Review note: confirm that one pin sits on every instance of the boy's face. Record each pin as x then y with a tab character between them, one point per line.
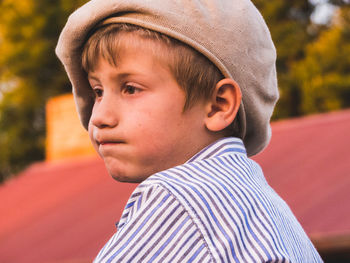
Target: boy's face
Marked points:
138	125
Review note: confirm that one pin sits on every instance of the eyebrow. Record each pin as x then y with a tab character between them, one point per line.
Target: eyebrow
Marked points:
92	77
119	76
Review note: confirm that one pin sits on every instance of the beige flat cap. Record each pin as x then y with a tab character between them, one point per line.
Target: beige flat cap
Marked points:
230	33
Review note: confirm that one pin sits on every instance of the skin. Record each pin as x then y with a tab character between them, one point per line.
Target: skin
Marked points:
138	125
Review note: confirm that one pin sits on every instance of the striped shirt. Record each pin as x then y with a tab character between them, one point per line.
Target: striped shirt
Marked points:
217	207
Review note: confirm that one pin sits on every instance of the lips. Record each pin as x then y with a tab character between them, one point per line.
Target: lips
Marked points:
106	139
109	142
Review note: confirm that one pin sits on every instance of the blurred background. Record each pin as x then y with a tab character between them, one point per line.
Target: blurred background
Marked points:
313	46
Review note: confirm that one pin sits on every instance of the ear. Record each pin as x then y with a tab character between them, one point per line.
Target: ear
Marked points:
223	106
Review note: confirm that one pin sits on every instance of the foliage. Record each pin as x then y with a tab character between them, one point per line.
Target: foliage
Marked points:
29	74
324	74
312	59
339	2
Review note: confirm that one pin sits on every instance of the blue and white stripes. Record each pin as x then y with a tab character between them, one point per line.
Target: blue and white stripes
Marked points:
217	207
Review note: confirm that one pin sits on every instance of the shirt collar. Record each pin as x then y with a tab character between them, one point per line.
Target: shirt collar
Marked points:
222	146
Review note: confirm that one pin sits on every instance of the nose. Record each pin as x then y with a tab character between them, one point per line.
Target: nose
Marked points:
104	113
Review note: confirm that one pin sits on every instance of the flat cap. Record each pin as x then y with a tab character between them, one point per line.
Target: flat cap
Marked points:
232	34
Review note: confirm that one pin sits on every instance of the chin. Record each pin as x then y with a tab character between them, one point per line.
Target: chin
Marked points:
126	178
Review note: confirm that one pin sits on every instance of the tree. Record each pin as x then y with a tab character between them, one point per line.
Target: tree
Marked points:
29	74
324	73
312	60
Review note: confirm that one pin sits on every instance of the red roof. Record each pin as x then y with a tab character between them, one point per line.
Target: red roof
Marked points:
308	164
55	212
65	211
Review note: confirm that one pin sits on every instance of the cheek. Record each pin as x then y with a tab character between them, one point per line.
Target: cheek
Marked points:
154	132
160	135
157	124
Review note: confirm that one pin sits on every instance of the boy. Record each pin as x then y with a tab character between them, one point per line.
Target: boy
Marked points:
175	95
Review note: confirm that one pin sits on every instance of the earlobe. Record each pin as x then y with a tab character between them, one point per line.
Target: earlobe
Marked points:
223	106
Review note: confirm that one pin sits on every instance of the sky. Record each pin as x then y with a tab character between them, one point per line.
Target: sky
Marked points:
323	11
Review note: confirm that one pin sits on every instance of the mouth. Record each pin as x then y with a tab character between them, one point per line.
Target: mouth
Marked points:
109	142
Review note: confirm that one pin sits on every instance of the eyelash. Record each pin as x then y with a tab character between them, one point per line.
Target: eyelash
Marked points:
128	89
98	92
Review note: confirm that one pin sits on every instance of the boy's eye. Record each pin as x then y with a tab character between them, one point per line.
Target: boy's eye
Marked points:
130	89
98	92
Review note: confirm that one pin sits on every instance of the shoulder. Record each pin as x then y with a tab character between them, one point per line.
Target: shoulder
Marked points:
210	181
239	215
157	227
